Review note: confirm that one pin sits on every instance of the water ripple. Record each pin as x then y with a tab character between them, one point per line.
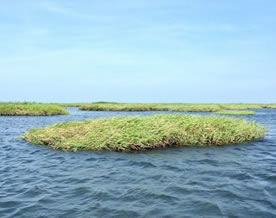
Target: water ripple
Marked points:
228	181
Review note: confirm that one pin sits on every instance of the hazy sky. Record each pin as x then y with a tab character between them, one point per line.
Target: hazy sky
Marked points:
138	50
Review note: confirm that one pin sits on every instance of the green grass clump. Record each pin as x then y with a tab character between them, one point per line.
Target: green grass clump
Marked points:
30	109
232	112
143	133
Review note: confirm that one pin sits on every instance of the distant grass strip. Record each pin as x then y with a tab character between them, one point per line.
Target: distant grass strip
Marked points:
30	109
181	107
232	112
150	107
142	133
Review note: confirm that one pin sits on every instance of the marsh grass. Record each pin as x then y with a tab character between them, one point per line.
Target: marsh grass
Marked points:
31	109
143	133
150	107
107	106
236	112
270	106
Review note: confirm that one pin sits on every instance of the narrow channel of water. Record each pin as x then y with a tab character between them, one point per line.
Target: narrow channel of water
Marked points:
234	180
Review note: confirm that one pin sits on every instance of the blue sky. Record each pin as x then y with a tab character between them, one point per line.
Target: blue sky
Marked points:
138	50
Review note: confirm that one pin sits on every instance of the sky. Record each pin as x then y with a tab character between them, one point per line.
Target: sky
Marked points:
190	51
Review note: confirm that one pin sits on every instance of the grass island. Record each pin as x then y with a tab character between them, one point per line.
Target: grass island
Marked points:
31	109
138	133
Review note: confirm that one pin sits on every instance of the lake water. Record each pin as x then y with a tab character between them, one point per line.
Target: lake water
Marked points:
228	181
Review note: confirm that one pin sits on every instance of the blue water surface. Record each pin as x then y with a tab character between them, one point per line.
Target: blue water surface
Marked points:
228	181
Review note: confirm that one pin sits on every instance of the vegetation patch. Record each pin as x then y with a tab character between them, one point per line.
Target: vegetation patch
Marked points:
269	106
150	107
109	106
143	133
31	109
233	112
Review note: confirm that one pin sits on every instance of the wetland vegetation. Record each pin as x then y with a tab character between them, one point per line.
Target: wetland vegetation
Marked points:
107	106
236	112
31	109
145	132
